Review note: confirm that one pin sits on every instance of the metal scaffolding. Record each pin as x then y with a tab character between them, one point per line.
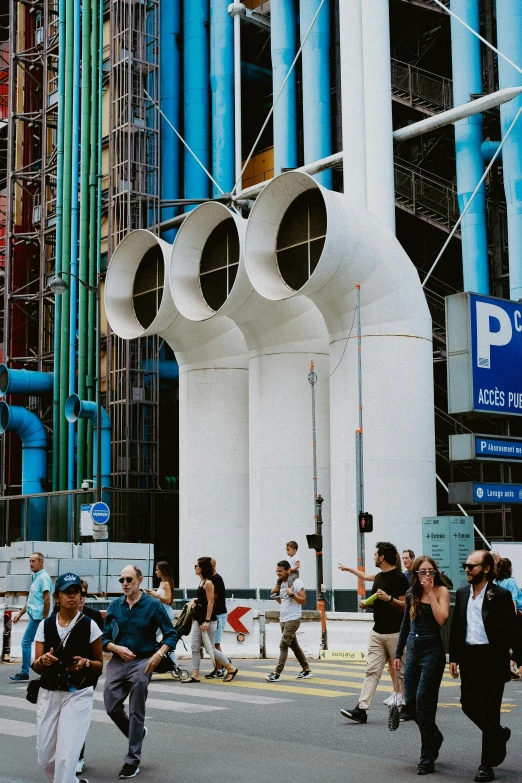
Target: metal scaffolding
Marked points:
134	202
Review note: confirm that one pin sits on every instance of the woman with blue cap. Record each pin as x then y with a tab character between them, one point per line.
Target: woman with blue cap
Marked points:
69	659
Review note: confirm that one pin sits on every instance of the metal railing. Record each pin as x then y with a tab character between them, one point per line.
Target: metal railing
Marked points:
424	195
424	90
136	515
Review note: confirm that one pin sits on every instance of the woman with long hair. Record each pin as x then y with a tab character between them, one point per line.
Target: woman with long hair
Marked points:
426	611
69	659
165	591
205	621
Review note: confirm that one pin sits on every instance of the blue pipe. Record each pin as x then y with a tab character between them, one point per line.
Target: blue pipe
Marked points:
25	382
170	97
167	369
509	42
86	409
196	98
489	149
73	278
28	426
317	113
467	80
222	85
283	43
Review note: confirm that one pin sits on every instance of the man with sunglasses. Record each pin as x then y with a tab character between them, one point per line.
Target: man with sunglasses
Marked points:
131	625
483	631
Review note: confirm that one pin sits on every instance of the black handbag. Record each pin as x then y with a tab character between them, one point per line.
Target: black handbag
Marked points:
33	687
394	711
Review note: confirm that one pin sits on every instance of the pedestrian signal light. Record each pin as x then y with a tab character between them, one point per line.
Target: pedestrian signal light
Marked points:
365	522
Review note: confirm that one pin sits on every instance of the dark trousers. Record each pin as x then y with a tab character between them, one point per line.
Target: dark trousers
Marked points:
127	678
481	697
425	663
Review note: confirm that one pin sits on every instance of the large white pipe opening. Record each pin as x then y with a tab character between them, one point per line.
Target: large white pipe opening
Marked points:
303	240
213	404
209	281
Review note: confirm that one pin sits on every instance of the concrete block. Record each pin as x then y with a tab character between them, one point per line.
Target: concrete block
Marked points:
20	565
80	566
55	549
5	554
5	568
97	549
95	584
130	552
2	585
17	583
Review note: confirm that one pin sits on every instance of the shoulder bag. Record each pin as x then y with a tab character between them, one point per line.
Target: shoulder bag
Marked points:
33	687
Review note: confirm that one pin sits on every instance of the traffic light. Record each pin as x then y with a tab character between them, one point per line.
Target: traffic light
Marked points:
365	522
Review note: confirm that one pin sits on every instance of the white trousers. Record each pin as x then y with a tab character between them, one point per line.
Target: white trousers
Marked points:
62	723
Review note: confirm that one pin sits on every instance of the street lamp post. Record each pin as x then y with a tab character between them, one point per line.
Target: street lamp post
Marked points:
315	541
59	286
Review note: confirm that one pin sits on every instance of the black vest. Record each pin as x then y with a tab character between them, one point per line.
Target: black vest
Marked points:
77	643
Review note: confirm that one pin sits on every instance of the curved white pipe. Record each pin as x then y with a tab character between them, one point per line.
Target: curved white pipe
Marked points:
399	451
282	339
213	414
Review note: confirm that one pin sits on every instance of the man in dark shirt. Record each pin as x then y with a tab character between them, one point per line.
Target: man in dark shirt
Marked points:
388	610
220	609
131	624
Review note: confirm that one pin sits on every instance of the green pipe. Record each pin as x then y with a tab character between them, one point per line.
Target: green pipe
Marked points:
85	151
66	235
58	244
99	183
91	370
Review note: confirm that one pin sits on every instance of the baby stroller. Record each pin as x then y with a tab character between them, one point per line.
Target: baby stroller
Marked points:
182	627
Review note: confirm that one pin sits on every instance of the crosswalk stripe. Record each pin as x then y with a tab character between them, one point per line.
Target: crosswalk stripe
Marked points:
98	716
384	678
203	693
17	728
320	681
173	706
279	687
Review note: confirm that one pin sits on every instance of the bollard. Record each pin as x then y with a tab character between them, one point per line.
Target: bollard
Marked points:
262	635
6	636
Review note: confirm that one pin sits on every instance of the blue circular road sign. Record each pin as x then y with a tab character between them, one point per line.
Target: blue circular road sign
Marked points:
100	513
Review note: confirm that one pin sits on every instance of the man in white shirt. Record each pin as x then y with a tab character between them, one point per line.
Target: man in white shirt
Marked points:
291	598
483	631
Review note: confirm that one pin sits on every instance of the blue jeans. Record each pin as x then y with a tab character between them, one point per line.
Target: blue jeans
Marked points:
425	664
27	643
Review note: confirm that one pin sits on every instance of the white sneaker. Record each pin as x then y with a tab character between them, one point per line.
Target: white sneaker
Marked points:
79	766
389	700
395	698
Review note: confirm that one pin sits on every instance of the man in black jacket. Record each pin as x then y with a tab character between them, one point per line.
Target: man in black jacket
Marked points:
483	631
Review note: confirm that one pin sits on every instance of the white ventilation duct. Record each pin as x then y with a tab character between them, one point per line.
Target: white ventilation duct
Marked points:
336	248
209	281
213	404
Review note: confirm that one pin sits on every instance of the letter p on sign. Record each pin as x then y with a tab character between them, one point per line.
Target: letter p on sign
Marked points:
486	314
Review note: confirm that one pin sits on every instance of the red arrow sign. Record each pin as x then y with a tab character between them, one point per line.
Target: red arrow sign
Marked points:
234	618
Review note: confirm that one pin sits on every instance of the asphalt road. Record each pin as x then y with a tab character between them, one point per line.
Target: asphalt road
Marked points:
256	731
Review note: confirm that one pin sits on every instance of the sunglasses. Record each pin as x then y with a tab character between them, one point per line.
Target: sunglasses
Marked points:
127	579
197	565
426	572
471	566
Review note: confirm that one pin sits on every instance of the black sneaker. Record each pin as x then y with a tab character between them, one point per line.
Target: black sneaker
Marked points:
128	771
405	715
214	675
273	677
19	677
484	774
358	715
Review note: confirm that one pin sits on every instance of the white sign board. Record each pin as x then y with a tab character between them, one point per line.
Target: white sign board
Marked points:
86	524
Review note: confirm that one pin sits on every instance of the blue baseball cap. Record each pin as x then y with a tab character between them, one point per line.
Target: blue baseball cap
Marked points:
66	580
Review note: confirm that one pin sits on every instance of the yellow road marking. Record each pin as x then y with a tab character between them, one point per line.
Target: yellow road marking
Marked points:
275	687
386	678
